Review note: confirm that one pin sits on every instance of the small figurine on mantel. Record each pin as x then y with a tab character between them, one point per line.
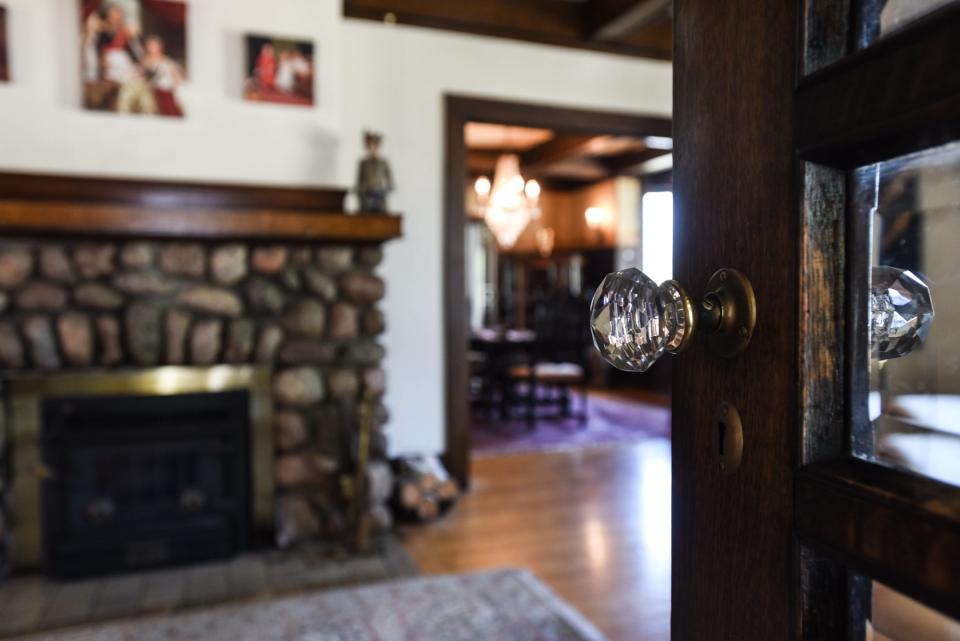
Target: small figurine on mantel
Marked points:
374	180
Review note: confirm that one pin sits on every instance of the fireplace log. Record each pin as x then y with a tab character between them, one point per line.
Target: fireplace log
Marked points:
418	471
408	494
428	509
424	489
427	471
433	478
448	491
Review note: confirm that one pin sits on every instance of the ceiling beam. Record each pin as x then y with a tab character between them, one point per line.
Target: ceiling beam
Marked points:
659	165
483	162
561	147
613	20
542	21
566	183
541	162
628	163
543	18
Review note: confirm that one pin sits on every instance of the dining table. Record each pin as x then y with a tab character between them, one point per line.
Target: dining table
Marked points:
492	350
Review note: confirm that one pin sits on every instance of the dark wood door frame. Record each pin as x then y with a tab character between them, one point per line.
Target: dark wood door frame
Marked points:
459	111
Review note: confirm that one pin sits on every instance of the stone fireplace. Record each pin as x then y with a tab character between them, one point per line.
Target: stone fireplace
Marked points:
284	311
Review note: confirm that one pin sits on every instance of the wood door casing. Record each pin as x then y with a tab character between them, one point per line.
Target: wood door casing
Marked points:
459	110
736	186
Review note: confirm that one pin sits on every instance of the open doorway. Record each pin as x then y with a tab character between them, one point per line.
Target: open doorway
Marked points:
592	522
581	186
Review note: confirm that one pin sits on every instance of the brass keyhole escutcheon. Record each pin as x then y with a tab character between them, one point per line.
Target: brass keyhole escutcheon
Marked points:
728	438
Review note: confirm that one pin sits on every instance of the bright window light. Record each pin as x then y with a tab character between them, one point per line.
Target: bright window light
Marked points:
656	235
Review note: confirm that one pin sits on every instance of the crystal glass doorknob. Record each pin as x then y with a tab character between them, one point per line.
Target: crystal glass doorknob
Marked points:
901	312
634	321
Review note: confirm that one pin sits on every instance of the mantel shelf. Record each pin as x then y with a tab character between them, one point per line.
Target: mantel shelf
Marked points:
25	217
48	205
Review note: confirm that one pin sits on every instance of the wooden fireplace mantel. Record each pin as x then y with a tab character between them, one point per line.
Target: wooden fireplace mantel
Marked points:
72	219
77	206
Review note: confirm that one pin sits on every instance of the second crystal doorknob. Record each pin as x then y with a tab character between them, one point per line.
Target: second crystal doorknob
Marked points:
634	321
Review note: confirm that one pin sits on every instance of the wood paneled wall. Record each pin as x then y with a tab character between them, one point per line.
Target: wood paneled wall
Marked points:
564	212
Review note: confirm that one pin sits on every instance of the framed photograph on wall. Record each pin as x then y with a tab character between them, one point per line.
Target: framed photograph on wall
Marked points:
4	58
133	55
279	70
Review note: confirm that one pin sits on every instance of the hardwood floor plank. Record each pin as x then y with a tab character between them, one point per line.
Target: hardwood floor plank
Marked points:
593	524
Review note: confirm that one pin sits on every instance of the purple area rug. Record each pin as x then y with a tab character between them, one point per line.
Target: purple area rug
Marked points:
503	605
609	421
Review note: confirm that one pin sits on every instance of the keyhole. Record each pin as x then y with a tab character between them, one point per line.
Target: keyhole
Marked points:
729	438
722	434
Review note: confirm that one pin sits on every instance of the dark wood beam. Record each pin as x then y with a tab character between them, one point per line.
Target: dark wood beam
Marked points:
506	18
565	183
540	161
542	21
483	162
615	20
560	147
627	162
656	35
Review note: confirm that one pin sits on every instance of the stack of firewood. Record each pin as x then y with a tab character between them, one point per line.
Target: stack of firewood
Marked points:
423	488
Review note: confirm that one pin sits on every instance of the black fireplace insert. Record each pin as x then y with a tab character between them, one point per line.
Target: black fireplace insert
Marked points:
143	481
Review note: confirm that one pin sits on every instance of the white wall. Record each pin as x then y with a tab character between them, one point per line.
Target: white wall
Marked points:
223	137
392	79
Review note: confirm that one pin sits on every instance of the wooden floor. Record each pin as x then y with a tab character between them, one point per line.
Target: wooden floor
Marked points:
593	524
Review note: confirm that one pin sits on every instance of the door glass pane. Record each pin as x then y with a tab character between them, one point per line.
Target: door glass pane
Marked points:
879	18
913	206
896	617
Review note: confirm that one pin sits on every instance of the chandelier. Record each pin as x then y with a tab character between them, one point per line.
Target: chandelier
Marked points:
510	203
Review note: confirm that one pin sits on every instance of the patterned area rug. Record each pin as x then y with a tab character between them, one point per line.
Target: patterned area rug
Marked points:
504	605
610	421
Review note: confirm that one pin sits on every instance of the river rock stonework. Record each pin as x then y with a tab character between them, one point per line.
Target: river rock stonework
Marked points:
308	312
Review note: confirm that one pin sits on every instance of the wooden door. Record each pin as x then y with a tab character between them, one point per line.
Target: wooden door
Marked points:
780	109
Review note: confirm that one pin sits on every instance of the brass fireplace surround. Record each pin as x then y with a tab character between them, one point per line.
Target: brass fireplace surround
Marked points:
24	423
